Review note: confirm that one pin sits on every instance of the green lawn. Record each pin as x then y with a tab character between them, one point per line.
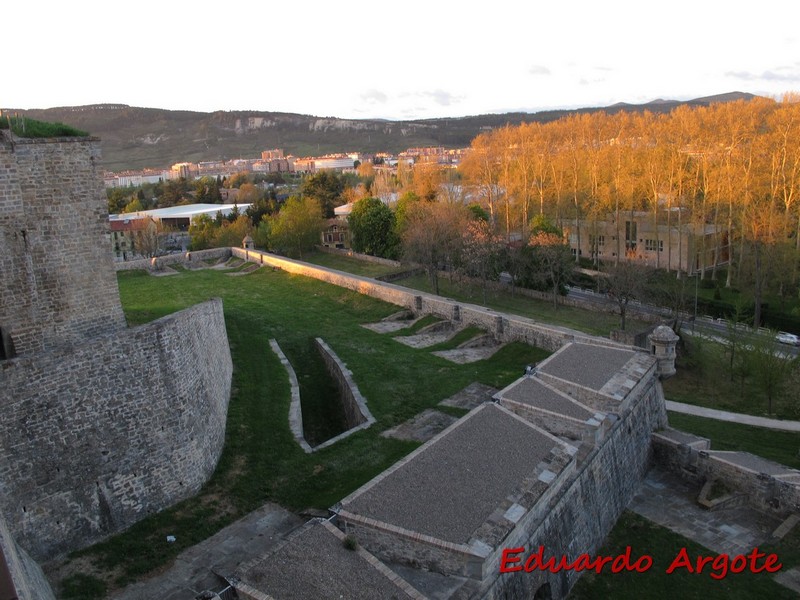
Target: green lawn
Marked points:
781	446
261	461
350	265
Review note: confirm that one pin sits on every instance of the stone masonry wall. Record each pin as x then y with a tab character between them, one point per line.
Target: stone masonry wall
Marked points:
57	284
355	407
776	493
124	425
504	328
26	576
578	520
186	259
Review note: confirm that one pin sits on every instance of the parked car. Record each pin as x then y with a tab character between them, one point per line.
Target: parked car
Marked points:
788	338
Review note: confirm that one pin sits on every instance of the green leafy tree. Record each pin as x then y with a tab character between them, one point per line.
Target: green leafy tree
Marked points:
206	190
372	228
297	227
173	191
133	206
202	231
232	233
326	187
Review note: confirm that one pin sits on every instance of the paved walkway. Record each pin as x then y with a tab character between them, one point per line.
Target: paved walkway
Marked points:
721	415
670	501
194	569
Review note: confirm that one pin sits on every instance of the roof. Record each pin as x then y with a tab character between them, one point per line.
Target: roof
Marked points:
188	211
475	465
314	563
343	210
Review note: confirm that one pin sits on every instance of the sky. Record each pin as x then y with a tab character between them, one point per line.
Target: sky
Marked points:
407	59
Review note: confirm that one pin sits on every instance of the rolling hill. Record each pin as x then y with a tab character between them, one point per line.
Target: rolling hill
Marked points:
136	138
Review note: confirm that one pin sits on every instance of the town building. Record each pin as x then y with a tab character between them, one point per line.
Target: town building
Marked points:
666	243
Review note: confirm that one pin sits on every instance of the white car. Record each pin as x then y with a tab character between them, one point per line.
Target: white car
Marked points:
788	338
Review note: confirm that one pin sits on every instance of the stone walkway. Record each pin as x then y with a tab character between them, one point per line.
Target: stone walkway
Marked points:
194	569
671	502
721	415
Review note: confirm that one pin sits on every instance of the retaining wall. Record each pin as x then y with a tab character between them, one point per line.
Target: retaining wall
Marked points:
25	575
504	328
769	487
186	259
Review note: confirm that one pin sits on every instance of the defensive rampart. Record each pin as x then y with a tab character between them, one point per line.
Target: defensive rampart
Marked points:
124	425
505	328
580	517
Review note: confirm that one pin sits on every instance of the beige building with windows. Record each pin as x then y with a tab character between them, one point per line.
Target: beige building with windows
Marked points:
665	244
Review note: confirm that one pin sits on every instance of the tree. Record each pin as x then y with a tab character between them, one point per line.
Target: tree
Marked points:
481	252
147	241
133	206
372	228
206	190
772	365
551	262
232	233
173	191
326	187
202	231
432	236
625	282
297	227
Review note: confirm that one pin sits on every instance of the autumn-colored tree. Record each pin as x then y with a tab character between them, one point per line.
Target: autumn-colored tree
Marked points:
432	236
552	259
481	253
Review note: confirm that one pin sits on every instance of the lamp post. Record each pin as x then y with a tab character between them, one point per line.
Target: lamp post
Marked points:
696	279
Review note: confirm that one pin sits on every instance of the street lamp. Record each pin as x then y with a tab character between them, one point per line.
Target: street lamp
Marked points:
696	279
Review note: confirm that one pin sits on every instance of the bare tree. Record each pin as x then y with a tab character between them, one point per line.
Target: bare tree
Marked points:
625	282
432	236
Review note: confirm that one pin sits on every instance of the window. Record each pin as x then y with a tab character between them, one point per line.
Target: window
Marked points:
630	235
653	245
597	241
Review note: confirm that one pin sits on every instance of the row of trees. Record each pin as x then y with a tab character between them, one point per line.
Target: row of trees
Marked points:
734	166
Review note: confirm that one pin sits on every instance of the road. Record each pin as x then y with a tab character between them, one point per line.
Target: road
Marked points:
706	326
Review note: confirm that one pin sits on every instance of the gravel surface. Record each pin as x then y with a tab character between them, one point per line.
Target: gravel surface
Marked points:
533	392
450	488
315	564
587	365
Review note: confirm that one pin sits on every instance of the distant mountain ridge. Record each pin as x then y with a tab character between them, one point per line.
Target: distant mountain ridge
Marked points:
136	138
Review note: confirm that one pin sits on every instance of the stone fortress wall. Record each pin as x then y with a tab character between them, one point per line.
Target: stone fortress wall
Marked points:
97	437
100	425
505	328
